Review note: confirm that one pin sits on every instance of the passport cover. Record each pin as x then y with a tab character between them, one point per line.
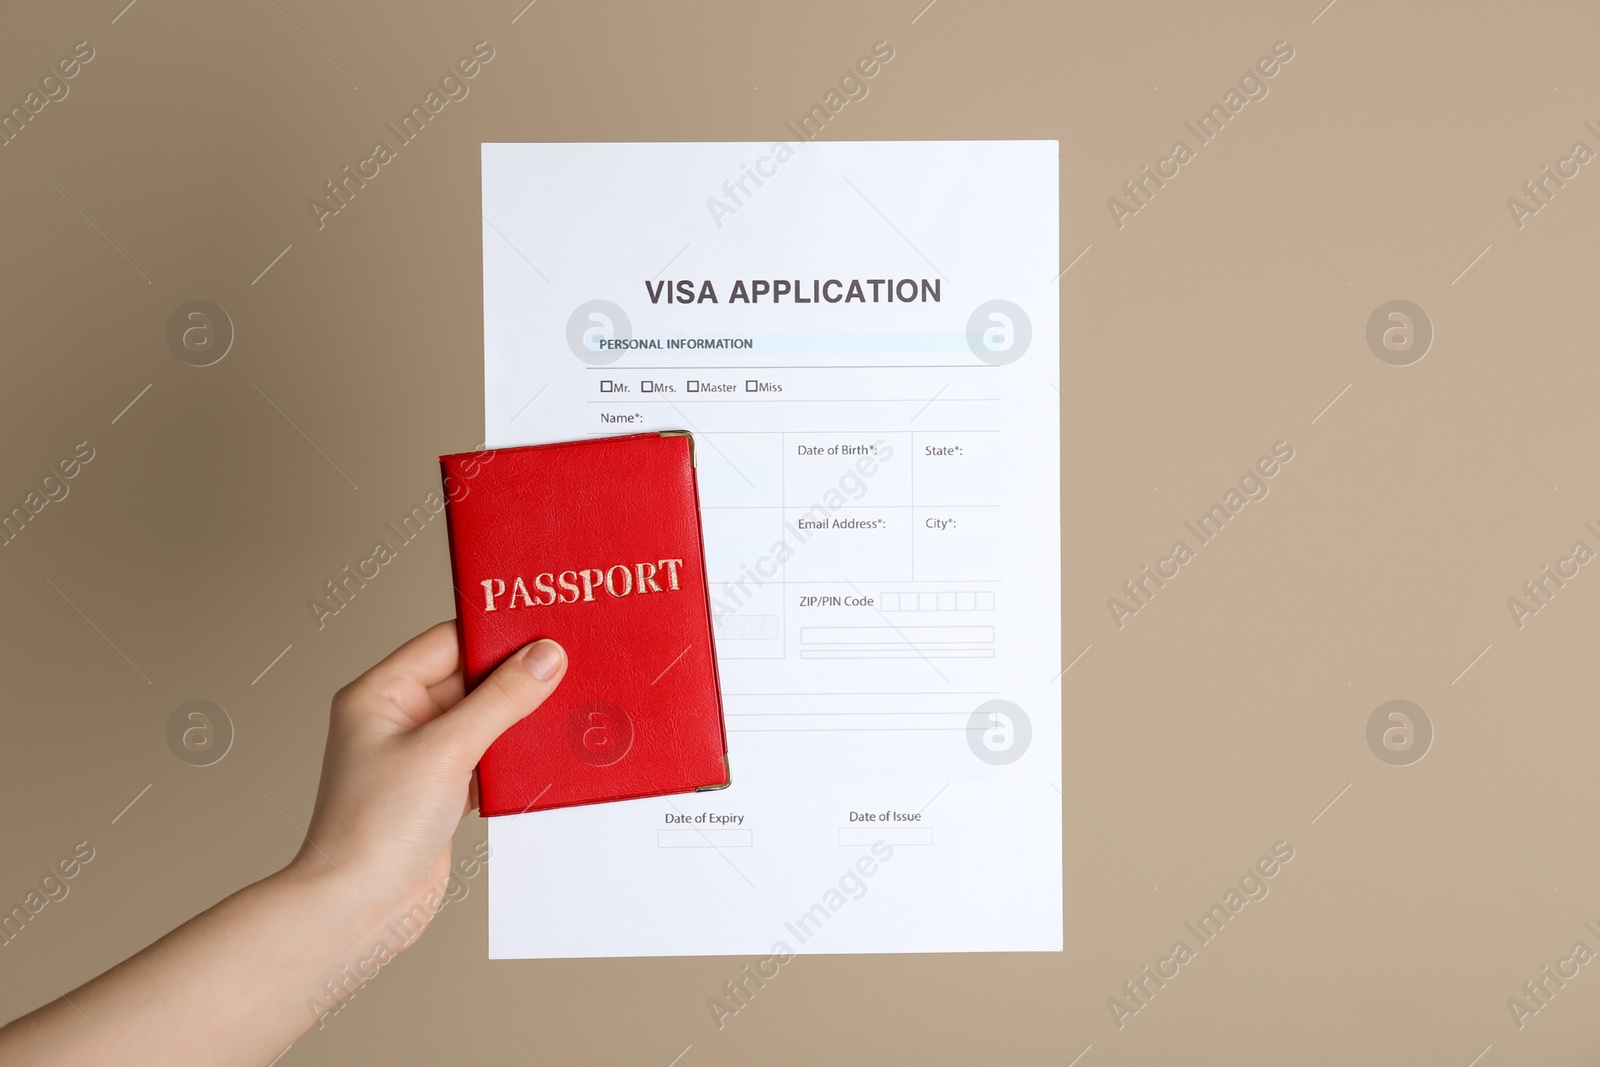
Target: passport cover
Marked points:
597	545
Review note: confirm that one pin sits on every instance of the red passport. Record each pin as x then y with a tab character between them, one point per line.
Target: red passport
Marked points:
597	545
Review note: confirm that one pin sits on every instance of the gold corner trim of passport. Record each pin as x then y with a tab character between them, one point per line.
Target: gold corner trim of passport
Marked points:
724	785
681	433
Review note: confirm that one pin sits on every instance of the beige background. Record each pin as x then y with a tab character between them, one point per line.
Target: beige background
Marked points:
1225	316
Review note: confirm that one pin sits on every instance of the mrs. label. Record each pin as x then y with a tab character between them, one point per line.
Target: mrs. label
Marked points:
569	587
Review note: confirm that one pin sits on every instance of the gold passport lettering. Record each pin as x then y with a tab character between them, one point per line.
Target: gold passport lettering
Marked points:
569	587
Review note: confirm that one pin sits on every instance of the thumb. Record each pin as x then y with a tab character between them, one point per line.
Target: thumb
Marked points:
517	687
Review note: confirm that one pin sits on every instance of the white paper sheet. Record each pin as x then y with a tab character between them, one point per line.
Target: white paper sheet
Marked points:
902	659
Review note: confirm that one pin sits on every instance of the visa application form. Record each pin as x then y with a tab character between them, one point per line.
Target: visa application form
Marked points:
863	339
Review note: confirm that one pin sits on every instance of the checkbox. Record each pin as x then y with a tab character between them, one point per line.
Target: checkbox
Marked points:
607	385
694	386
750	385
647	386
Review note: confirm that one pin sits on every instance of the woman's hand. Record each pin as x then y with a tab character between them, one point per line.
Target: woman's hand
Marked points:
397	774
238	983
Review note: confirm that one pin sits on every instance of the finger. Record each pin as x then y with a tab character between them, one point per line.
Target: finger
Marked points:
418	706
396	693
426	660
448	693
517	687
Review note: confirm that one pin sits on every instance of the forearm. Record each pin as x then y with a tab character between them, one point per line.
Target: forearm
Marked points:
234	985
237	985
